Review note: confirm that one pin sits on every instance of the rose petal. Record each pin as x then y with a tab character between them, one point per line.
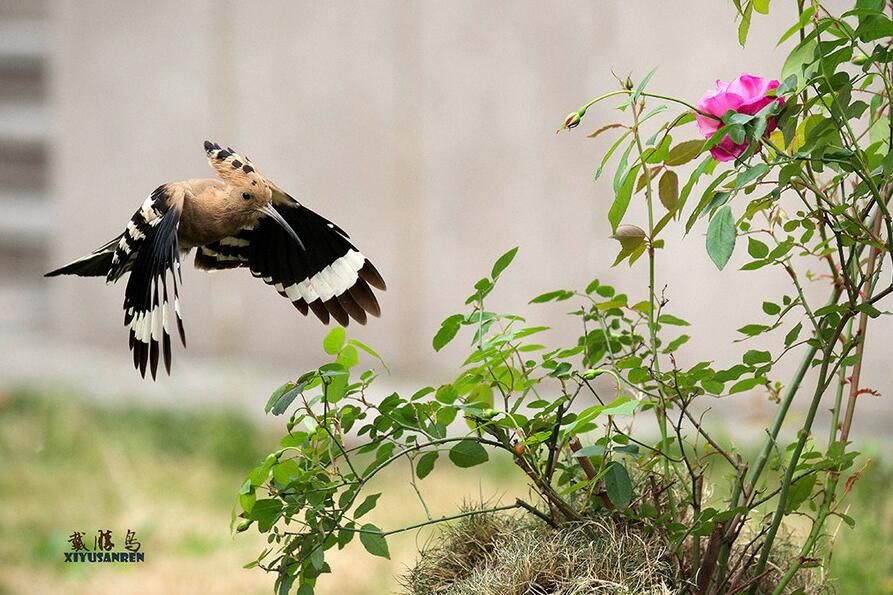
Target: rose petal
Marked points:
754	105
726	150
716	105
750	86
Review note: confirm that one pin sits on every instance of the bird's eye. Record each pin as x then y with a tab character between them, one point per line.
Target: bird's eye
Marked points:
246	195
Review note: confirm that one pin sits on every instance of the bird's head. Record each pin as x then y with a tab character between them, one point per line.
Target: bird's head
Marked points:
249	191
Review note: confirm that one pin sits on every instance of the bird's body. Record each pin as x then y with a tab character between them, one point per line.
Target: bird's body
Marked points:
240	220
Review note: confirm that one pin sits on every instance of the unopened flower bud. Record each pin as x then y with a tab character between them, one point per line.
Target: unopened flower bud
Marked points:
572	120
593	373
243	526
860	58
629	236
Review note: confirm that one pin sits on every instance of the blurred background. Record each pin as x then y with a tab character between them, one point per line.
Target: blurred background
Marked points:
426	130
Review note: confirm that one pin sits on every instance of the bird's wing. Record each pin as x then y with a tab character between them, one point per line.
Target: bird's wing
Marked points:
229	253
330	277
149	249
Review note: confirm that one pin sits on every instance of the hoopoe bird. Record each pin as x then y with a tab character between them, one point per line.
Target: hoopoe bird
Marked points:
240	220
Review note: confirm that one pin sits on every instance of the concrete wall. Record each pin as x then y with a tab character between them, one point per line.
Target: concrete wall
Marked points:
425	129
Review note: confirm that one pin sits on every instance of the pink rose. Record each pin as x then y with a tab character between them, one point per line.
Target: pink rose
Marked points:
747	94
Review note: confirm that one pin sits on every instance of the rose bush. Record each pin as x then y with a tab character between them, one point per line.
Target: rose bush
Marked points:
812	205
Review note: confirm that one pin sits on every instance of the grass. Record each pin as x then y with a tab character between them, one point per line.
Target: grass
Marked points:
502	554
172	478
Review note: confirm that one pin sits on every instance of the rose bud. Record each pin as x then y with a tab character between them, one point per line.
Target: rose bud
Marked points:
572	121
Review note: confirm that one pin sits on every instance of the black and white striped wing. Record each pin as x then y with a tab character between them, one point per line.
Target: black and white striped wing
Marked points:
229	253
331	277
149	249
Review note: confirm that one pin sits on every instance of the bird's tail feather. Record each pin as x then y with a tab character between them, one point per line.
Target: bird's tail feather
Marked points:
96	264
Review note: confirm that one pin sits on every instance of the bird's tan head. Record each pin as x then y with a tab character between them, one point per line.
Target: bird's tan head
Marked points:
248	190
249	193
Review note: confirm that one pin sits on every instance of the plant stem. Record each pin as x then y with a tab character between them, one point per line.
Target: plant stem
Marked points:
830	487
759	465
821	385
442	519
652	322
582	111
860	335
782	412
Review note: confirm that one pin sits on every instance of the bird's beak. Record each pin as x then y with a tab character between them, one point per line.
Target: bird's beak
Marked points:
273	214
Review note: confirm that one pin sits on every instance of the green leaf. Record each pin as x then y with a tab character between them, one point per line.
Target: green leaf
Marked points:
247	501
558	295
266	512
277	394
610	152
706	164
684	152
756	248
618	485
348	356
374	541
286	471
771	308
792	335
746	384
622	406
761	6
643	84
805	16
620	173
869	310
676	343
873	28
447	331
468	453
753	329
744	25
706	199
754	357
595	450
668	190
799	492
799	61
283	403
503	261
621	201
368	504
368	350
335	379
334	340
447	394
672	320
721	237
751	174
426	464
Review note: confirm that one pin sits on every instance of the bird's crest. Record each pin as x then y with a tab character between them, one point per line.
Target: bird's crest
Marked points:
232	168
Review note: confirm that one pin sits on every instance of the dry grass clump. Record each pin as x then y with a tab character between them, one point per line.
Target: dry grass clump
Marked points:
491	554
